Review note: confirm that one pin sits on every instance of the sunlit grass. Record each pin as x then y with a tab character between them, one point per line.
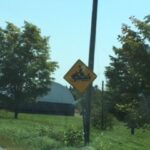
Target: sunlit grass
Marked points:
45	132
119	138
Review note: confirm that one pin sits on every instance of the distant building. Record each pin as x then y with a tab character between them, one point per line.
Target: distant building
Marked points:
58	100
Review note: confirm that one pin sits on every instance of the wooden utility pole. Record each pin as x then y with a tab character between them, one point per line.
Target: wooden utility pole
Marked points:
87	99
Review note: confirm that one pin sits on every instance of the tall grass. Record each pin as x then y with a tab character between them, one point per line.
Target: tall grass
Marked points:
46	132
41	132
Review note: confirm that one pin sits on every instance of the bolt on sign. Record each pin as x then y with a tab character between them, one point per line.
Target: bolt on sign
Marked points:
80	76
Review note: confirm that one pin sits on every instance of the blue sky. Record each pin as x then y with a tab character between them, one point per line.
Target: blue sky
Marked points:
68	24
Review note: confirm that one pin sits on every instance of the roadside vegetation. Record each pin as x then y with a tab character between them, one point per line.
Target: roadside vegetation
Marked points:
50	132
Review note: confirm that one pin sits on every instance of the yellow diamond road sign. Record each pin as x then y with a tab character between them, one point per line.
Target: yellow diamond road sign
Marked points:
80	76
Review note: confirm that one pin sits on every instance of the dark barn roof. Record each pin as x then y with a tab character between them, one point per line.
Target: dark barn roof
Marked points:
58	94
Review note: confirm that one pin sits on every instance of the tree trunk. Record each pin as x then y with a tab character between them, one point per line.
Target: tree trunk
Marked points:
16	114
16	111
132	131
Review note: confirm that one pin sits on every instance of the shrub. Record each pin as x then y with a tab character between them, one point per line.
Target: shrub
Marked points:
73	137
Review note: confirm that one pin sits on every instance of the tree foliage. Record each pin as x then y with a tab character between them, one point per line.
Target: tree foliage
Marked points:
128	76
25	65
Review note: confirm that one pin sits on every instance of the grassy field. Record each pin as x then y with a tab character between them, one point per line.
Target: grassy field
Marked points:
47	132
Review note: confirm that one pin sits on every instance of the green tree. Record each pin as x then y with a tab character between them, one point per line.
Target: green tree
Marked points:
128	78
25	65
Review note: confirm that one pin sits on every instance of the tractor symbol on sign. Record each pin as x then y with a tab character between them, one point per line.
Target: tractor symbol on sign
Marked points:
80	75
